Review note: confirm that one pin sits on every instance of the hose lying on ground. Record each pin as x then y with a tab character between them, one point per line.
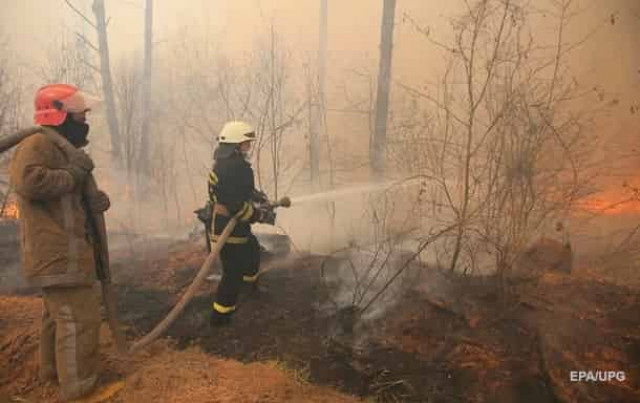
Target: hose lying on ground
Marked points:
188	295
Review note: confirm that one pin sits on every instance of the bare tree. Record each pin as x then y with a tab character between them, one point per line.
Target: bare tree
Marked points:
10	92
164	180
11	104
506	145
107	82
146	85
379	139
277	110
128	92
66	62
317	102
258	89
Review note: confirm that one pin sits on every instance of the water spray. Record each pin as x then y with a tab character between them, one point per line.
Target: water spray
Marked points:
352	191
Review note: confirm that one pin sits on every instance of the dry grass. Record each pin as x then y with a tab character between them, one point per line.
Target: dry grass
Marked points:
159	374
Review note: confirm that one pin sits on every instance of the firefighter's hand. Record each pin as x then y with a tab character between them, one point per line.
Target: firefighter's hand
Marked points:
99	202
266	215
259	196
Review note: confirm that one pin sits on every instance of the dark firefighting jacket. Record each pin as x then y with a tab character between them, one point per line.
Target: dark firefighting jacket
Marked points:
231	188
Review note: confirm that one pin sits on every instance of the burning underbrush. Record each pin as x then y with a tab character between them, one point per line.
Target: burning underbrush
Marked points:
10	211
431	336
613	201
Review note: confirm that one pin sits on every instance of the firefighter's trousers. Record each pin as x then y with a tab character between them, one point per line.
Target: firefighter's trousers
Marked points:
69	338
240	264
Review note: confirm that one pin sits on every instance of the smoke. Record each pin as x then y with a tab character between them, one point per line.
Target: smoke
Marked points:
216	72
10	275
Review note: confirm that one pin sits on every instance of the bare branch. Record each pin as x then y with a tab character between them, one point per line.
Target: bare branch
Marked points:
431	99
87	42
91	66
84	17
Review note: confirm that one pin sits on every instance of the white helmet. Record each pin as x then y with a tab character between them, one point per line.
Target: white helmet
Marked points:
236	132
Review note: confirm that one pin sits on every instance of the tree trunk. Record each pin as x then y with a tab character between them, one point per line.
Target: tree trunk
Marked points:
317	110
379	139
107	84
88	74
146	88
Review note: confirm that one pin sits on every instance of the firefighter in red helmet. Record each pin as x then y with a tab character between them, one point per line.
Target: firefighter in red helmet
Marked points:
48	174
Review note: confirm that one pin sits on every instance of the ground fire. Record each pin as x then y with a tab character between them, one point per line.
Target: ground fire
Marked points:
10	211
610	204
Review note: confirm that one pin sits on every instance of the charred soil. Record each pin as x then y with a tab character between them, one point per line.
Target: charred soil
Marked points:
446	338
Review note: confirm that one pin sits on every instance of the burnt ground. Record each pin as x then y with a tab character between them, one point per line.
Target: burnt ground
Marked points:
444	338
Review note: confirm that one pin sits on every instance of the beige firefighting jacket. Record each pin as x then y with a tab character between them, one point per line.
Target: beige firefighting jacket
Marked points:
56	247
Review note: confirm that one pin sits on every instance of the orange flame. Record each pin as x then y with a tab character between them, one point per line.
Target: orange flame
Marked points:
610	203
10	211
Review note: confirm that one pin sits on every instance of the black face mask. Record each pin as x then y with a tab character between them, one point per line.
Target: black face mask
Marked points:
73	131
225	150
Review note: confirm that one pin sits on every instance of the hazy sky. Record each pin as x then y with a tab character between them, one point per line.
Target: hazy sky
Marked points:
353	29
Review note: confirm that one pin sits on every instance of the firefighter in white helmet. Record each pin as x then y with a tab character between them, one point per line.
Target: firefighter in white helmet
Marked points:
232	192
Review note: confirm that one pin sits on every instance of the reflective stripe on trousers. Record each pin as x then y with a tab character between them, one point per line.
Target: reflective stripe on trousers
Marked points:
251	279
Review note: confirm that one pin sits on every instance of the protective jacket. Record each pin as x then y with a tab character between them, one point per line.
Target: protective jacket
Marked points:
231	188
56	245
231	191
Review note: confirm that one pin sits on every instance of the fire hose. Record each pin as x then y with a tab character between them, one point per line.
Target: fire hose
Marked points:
8	142
197	282
188	295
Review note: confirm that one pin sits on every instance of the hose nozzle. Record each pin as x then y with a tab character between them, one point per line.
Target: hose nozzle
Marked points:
283	202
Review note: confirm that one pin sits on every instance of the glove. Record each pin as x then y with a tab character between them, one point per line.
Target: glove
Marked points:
204	213
265	214
99	202
259	196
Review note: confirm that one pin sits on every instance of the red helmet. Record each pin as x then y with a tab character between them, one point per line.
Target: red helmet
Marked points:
53	102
